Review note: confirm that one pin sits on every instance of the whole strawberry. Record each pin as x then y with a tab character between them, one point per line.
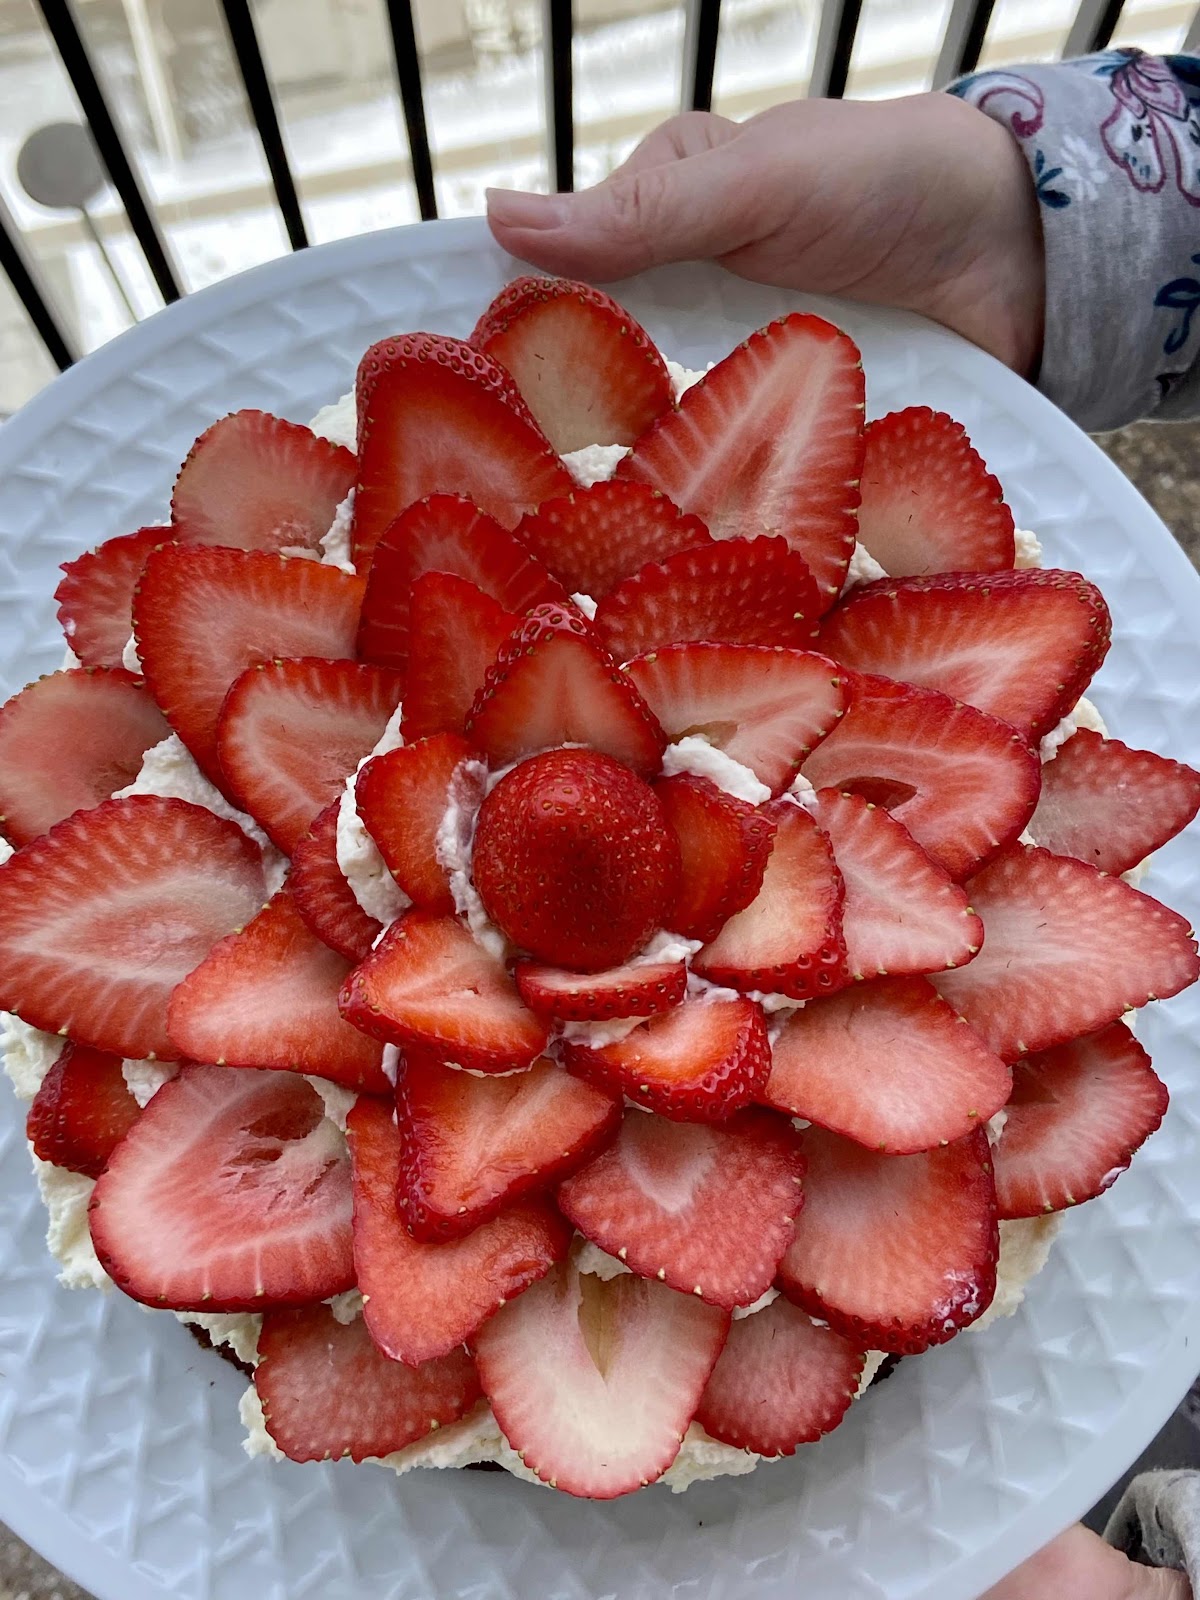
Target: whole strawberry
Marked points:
575	859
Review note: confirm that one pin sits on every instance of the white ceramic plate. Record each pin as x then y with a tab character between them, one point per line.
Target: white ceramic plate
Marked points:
119	1442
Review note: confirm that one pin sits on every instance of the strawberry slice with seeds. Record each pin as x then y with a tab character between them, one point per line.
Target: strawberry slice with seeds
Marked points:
323	897
67	742
203	615
444	533
267	996
1109	805
327	1393
961	782
1066	950
724	846
470	1146
699	1062
427	983
422	1300
1077	1115
402	797
594	1383
259	483
887	1064
82	1111
584	367
929	504
231	1192
896	1253
1022	646
780	1381
638	989
764	706
101	917
436	417
707	1210
770	441
594	537
740	591
455	634
901	913
788	940
290	731
554	683
95	595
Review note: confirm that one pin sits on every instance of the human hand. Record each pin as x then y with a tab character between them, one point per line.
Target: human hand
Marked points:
1078	1564
922	202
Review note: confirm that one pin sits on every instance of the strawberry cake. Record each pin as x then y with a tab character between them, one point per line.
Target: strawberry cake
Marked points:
569	910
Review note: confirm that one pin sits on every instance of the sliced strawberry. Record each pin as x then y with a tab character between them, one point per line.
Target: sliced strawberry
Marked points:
1077	1115
901	913
327	1393
788	940
1109	805
82	1111
67	742
421	1300
231	1192
640	989
584	367
896	1253
95	595
323	897
962	783
428	983
1022	646
770	441
553	684
257	482
470	1146
1065	951
764	706
594	537
887	1064
740	591
444	533
402	797
436	417
708	1210
594	1383
929	504
699	1062
101	917
575	859
780	1381
724	846
455	634
267	996
202	616
290	731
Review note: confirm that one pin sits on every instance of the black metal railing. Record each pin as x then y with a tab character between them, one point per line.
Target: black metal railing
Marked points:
961	48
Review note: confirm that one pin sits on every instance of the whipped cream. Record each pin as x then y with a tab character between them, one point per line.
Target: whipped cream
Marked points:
695	754
358	857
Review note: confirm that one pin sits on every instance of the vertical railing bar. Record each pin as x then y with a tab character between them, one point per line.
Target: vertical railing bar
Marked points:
962	43
34	295
559	82
701	34
64	30
1094	25
246	48
412	99
835	46
1191	43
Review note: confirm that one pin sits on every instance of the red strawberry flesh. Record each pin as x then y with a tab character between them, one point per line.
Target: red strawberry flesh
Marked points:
401	797
95	595
724	846
638	989
82	1111
323	897
455	634
594	537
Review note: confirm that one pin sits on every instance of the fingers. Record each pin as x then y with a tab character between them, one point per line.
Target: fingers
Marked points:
687	135
1079	1563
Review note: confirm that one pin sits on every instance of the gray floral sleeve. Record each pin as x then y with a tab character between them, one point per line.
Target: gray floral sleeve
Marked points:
1113	146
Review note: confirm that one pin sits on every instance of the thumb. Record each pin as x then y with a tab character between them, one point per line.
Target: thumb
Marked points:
699	206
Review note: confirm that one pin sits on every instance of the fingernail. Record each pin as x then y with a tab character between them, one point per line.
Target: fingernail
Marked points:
514	208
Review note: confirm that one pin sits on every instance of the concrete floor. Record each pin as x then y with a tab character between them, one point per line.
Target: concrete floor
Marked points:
1164	462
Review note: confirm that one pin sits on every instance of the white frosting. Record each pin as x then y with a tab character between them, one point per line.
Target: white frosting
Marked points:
586	604
362	866
693	753
863	568
130	659
339	421
65	1196
335	542
595	463
144	1079
1028	548
237	1329
338	1102
28	1054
